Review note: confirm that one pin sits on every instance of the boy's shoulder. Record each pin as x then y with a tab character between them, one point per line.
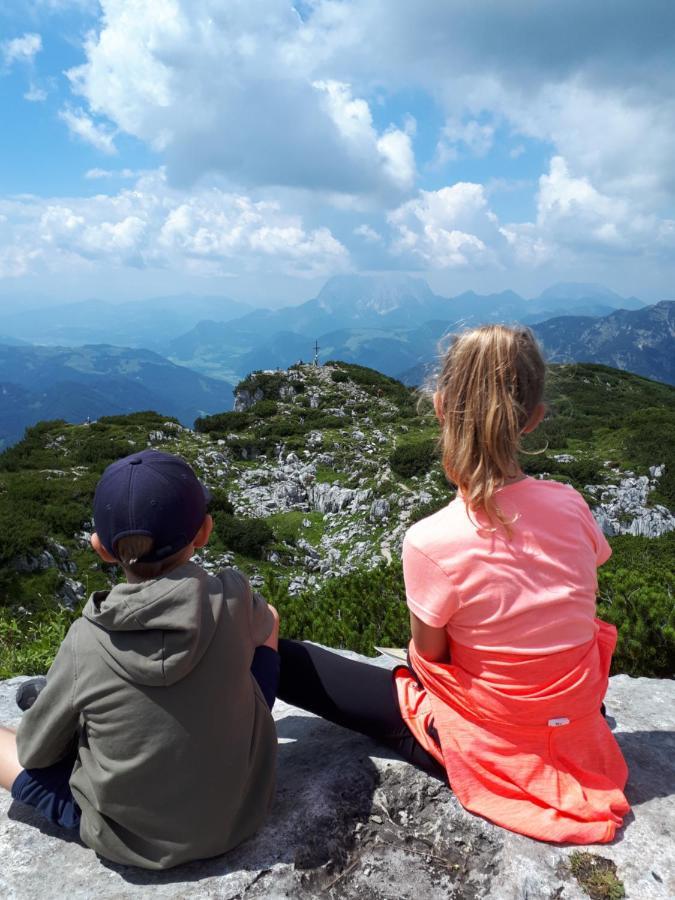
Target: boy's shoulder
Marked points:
234	582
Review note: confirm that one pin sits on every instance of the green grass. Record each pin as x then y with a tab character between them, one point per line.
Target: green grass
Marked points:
597	876
288	527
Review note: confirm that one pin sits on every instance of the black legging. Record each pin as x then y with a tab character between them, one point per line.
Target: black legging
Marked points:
353	694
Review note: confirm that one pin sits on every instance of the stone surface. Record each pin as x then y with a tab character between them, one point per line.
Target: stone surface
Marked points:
626	508
351	821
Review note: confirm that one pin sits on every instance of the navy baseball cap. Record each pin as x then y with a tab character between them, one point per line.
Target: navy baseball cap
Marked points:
150	493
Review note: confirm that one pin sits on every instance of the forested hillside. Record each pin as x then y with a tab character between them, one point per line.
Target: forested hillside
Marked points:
316	475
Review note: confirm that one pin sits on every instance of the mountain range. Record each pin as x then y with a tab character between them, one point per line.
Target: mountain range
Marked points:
182	354
76	383
352	314
140	323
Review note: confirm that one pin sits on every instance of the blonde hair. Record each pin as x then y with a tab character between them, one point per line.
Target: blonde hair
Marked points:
131	549
491	380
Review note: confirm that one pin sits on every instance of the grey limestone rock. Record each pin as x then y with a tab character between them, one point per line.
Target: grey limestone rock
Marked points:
624	508
379	509
351	821
71	592
244	399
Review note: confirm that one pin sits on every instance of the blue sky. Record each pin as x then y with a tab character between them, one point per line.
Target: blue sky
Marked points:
255	148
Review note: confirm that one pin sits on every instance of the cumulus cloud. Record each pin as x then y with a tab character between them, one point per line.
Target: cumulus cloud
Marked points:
470	138
454	227
598	88
571	211
233	88
368	234
449	228
152	225
22	49
83	126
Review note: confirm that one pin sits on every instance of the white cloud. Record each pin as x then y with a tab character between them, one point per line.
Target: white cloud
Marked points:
94	174
35	94
22	49
454	227
449	228
572	212
235	88
368	234
96	134
469	138
151	225
598	89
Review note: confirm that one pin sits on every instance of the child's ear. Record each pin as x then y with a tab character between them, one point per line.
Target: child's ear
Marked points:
204	533
538	414
438	406
101	550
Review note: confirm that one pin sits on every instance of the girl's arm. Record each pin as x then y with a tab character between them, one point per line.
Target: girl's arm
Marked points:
431	643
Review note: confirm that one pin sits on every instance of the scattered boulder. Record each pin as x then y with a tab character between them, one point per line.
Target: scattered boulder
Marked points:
71	593
29	563
379	509
624	508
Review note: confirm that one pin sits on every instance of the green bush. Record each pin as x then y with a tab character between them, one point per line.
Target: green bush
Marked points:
338	376
264	409
246	536
414	457
268	383
356	612
101	450
220	503
637	594
222	423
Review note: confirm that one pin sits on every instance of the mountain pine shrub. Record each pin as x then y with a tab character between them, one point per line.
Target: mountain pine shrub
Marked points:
414	457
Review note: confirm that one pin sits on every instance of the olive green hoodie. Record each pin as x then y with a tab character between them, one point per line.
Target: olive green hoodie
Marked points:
177	746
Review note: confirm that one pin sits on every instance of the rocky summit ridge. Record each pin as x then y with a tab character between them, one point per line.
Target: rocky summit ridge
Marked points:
352	822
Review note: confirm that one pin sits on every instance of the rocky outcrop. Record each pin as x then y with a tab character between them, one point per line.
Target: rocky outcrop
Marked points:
244	399
350	821
624	508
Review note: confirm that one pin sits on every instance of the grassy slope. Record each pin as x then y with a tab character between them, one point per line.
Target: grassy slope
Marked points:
598	414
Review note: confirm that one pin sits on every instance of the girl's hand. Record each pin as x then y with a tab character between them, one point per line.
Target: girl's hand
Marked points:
273	640
431	643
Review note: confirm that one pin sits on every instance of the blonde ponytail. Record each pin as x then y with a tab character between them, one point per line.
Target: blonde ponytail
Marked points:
491	381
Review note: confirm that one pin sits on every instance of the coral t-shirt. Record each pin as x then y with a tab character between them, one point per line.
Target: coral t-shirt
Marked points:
532	593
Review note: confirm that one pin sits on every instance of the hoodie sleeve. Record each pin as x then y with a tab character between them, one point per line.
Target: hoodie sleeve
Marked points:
48	728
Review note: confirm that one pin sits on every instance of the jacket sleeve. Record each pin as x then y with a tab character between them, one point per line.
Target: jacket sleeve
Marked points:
48	728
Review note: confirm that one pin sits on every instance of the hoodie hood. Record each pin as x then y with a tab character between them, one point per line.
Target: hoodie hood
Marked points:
156	632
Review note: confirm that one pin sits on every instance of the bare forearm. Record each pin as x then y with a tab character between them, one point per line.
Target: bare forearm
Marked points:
431	643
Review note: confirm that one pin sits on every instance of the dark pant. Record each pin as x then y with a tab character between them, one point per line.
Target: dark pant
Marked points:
265	670
353	694
48	789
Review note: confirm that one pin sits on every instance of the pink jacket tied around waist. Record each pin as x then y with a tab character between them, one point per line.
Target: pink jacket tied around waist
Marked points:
522	738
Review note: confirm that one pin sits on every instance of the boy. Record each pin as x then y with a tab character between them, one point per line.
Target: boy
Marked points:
153	734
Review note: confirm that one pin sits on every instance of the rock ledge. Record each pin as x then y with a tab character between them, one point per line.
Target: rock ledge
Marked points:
350	821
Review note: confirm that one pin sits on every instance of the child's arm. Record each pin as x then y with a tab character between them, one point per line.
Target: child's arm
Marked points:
48	728
431	643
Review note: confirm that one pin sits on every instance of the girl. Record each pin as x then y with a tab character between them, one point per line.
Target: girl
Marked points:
508	665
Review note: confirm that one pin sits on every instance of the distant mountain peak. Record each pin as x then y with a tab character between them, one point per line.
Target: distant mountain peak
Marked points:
579	290
380	293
